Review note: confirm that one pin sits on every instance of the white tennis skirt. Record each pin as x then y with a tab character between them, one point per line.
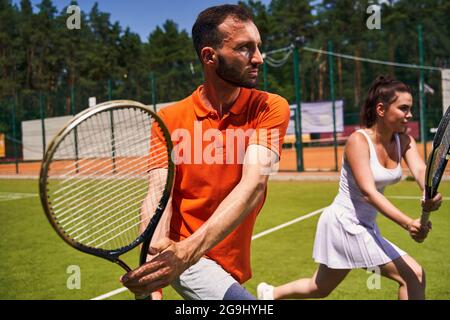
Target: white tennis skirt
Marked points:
342	242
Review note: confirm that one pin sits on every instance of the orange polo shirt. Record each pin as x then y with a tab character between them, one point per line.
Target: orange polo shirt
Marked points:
209	153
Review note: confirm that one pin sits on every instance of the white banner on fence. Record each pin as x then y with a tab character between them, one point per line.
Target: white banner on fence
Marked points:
318	117
445	89
32	133
92	101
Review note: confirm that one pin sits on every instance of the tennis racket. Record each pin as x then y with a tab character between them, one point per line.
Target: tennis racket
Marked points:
437	161
106	178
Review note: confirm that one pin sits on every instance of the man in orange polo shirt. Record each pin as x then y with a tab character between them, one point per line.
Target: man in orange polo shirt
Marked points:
227	140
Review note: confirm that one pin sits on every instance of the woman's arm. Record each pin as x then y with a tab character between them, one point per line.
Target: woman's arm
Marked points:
413	160
418	167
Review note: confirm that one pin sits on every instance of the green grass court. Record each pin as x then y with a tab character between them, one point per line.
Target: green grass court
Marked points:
34	260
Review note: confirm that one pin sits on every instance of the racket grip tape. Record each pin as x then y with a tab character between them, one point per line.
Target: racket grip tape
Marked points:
424	217
146	297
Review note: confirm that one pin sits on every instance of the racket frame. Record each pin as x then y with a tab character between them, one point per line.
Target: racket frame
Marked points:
145	237
432	182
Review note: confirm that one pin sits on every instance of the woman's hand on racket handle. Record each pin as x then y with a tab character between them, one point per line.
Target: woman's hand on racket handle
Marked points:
417	231
432	204
170	261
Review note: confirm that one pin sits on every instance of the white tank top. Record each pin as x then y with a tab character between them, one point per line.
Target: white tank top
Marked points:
350	195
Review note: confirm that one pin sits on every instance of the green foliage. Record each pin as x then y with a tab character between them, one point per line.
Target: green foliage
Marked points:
171	55
40	55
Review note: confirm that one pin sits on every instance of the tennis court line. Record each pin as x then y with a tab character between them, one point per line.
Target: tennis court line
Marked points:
110	294
256	236
7	196
281	226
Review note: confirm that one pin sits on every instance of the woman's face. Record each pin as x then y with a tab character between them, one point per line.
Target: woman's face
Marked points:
397	115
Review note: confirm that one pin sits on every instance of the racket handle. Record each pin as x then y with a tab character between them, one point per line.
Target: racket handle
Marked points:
146	297
424	217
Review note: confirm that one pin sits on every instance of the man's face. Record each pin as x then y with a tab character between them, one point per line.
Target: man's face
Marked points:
239	57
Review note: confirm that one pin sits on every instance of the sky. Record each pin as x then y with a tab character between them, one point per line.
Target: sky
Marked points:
143	16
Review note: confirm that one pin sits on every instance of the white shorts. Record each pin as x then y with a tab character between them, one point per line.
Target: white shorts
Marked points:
207	280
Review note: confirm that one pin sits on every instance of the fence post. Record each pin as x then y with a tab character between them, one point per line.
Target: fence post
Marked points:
423	135
14	134
72	100
153	87
298	112
266	84
42	111
331	69
111	119
75	137
109	90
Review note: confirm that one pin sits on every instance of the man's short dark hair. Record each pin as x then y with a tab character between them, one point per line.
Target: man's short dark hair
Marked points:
205	31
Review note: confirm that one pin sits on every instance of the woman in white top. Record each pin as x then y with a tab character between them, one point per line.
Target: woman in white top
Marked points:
347	235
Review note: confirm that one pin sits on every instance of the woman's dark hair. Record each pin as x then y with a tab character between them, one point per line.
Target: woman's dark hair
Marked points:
383	90
205	32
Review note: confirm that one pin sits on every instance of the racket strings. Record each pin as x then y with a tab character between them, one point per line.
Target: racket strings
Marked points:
120	212
105	213
98	194
91	159
92	130
93	164
102	212
142	221
88	178
85	183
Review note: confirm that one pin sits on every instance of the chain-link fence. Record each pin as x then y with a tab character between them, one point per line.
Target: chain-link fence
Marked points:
307	79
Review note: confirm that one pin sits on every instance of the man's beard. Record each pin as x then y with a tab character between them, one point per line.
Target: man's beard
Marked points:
233	75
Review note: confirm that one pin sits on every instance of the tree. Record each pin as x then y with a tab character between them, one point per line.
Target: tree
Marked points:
39	54
104	53
261	18
9	49
170	54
